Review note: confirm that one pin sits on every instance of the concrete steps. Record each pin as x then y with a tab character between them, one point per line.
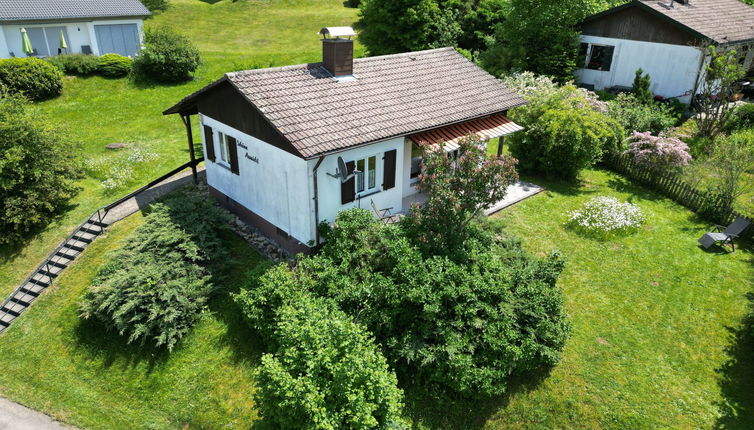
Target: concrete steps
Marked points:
51	268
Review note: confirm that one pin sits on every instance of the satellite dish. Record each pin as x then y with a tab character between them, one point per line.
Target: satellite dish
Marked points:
342	170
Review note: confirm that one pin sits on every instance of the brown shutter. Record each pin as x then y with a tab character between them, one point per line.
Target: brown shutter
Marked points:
348	188
233	154
388	176
209	143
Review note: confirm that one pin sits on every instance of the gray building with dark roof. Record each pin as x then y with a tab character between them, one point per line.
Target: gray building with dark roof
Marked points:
666	39
71	26
289	147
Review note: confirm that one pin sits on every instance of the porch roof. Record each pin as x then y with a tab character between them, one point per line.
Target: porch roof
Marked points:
486	128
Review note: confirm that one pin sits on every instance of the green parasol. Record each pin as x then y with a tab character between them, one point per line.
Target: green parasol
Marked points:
26	43
63	43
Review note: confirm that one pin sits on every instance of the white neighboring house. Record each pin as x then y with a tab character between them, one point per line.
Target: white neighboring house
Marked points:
89	26
666	39
275	139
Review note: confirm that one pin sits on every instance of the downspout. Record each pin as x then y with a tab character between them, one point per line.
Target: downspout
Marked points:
316	200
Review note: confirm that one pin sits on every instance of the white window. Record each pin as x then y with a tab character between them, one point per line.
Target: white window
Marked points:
367	180
596	57
224	148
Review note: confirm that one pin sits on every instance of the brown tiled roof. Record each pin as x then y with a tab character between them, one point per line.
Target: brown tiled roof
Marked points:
392	95
722	21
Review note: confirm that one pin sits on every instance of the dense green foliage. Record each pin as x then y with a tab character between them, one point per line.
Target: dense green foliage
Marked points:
730	159
742	117
114	65
156	5
722	73
326	372
634	115
566	132
459	190
641	88
390	26
462	328
37	169
166	57
155	287
32	77
75	64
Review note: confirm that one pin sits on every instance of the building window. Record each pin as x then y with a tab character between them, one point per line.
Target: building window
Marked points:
600	57
367	180
224	148
583	54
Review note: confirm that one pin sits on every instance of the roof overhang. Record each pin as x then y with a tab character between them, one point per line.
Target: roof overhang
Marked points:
490	127
642	6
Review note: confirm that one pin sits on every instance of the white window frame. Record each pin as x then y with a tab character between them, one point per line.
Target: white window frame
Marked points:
224	152
588	57
364	176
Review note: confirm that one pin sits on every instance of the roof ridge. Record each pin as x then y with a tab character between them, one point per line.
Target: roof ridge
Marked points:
319	63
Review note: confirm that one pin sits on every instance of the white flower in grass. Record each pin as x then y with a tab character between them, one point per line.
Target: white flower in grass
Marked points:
606	215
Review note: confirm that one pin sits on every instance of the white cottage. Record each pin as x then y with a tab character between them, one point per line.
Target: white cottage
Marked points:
666	39
88	26
276	140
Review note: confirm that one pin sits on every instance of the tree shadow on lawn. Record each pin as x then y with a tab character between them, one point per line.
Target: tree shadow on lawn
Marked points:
442	411
737	377
564	187
637	191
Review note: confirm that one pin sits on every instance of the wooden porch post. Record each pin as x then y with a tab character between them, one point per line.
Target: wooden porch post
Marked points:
190	134
499	146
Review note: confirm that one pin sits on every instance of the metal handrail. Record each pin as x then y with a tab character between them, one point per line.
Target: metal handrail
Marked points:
101	213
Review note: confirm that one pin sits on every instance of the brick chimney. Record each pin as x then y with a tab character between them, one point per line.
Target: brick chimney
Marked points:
337	50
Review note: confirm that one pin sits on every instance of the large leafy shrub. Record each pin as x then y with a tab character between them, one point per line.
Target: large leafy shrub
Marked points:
730	160
166	57
635	115
114	65
658	152
154	288
37	169
565	132
32	77
463	328
326	372
75	64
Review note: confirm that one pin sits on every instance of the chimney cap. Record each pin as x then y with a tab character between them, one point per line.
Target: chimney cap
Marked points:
337	32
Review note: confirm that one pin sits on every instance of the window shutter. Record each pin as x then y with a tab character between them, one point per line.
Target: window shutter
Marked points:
348	188
388	175
209	143
233	154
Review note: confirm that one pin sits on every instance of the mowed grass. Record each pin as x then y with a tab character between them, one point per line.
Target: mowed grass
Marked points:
81	374
660	338
96	111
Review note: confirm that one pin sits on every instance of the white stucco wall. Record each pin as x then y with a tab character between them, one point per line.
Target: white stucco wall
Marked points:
79	33
274	187
674	69
329	187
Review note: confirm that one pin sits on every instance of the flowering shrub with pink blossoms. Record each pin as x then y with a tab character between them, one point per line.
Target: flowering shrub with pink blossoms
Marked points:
661	151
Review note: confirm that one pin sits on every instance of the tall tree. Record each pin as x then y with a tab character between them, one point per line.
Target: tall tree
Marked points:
722	73
540	36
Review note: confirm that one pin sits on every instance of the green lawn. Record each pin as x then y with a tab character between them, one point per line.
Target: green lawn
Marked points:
96	111
74	370
658	338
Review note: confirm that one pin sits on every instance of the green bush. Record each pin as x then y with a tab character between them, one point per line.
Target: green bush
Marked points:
565	133
156	5
114	65
154	288
32	77
75	64
326	373
167	57
634	115
742	117
641	88
37	169
461	328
